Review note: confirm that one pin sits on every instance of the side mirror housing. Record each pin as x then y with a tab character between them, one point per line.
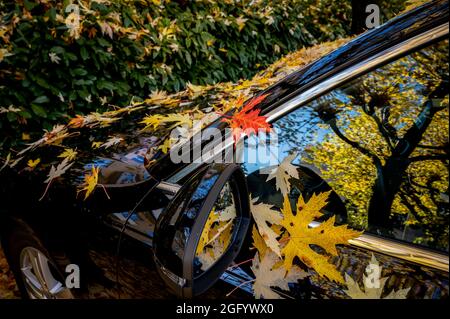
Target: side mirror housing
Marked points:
202	230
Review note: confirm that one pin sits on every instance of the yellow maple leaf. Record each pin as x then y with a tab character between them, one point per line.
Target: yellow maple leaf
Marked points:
90	182
68	153
156	120
165	147
195	91
96	144
204	237
161	97
152	121
258	242
301	236
33	163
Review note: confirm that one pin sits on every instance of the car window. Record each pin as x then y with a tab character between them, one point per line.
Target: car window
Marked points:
380	144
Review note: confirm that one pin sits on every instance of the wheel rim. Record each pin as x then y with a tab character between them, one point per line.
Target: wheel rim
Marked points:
38	276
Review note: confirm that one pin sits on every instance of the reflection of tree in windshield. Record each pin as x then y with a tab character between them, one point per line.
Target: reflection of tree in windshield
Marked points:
382	144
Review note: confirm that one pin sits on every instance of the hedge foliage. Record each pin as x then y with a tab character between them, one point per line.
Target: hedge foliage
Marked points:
51	67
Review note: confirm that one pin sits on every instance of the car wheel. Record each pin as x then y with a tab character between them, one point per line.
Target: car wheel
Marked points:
36	274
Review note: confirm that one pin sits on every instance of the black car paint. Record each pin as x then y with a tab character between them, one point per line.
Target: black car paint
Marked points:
85	230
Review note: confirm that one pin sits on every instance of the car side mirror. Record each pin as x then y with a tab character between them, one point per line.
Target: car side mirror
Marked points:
202	230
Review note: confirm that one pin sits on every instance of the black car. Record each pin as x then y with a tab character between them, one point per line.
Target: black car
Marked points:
368	124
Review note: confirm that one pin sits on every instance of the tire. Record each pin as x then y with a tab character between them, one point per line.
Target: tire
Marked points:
36	273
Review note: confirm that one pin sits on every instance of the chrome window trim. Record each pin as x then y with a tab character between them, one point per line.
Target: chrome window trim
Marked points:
393	248
168	187
397	249
414	254
356	70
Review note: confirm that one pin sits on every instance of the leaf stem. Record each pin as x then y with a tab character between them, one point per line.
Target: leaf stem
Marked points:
237	287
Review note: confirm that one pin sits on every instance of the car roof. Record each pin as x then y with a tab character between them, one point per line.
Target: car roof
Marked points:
396	30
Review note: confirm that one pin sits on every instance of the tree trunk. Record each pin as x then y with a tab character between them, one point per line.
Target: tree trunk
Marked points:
390	176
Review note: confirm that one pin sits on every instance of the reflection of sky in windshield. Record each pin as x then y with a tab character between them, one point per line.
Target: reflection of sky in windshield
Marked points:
300	130
292	131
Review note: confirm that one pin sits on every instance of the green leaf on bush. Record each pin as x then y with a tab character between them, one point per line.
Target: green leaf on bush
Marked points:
102	84
84	53
79	72
39	110
41	99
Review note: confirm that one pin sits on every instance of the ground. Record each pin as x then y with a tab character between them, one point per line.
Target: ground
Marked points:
8	288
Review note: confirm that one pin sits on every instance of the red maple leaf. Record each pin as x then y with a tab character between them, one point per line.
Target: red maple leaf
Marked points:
248	120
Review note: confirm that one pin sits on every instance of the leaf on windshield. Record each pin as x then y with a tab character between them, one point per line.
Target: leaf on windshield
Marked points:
265	218
282	174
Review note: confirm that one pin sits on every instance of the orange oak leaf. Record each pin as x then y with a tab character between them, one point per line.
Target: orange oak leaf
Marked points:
248	120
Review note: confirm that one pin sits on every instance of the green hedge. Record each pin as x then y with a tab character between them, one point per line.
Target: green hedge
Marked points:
126	49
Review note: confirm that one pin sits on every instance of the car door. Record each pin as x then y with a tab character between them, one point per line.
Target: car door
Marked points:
379	145
179	239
